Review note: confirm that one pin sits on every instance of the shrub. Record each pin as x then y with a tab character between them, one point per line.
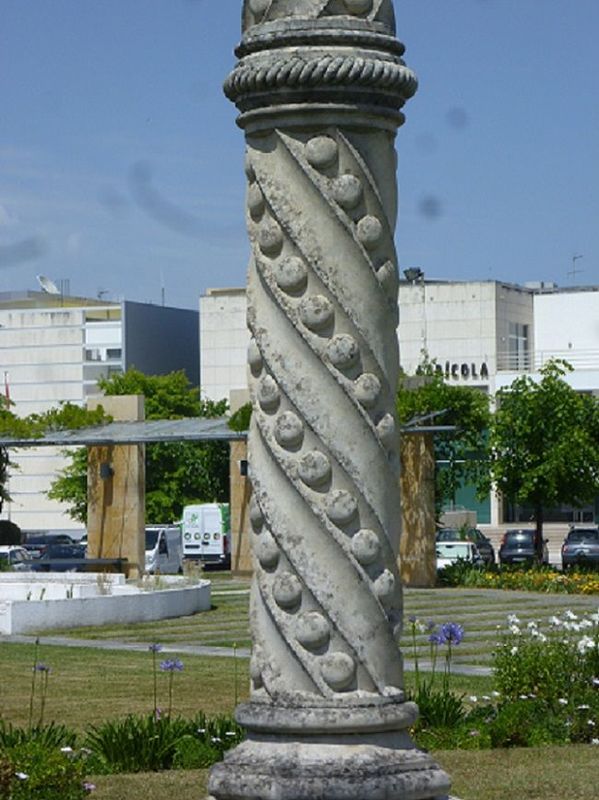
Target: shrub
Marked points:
154	742
549	679
33	771
49	736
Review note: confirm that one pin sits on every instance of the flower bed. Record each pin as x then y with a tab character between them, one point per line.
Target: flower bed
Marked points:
534	579
546	688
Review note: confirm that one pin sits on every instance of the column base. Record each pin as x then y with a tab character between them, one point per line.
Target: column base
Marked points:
375	764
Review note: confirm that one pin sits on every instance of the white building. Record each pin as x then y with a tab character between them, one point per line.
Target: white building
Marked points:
482	334
470	330
224	340
55	349
566	325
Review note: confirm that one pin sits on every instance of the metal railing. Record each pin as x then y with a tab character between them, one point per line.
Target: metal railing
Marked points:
532	362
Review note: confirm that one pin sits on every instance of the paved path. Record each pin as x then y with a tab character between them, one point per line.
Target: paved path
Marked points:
199	650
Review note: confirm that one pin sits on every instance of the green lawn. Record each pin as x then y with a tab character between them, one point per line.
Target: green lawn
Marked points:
87	685
551	773
480	611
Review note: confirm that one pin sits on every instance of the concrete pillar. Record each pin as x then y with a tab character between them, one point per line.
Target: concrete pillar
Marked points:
319	85
116	491
417	555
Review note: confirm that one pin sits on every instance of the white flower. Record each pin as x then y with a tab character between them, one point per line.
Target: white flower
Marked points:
66	749
515	630
542	637
583	707
532	625
586	623
523	697
230	733
22	776
496	694
555	622
595	681
562	701
594	741
585	645
512	619
486	698
591	723
570	614
534	632
473	698
513	651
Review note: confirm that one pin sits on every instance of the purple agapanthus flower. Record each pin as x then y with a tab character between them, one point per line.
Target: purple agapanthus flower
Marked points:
171	665
451	633
41	667
155	648
435	638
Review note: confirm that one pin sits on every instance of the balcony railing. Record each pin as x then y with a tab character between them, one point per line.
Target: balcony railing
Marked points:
532	362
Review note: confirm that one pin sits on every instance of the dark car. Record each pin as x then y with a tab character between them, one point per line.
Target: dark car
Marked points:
483	544
581	547
523	546
36	543
60	558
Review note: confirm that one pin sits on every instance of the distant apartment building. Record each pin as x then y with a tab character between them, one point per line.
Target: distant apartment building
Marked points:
224	341
55	348
478	333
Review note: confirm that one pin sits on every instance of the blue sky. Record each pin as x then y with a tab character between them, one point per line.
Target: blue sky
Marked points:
101	99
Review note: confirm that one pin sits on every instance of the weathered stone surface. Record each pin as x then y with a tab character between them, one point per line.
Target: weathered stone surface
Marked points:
320	85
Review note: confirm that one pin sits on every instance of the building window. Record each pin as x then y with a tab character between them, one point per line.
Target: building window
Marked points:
518	346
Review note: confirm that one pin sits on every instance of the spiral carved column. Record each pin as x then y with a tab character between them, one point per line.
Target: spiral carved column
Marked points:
319	85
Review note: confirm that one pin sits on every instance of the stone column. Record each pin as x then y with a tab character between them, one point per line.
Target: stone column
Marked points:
319	85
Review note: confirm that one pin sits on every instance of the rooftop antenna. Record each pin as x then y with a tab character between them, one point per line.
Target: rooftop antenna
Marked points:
574	272
101	293
46	285
162	289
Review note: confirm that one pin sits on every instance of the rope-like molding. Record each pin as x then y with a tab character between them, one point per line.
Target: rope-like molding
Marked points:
298	72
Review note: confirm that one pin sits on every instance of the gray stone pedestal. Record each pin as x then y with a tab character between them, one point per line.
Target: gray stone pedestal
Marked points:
303	754
319	86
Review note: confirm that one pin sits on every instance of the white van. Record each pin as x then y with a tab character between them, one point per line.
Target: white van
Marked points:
207	533
164	550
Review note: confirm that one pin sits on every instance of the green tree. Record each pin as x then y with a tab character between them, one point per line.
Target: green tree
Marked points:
177	473
462	452
544	442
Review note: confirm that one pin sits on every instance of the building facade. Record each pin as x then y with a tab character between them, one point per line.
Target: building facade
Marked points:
482	334
54	349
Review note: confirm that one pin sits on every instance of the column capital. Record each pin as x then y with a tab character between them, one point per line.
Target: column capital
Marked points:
299	56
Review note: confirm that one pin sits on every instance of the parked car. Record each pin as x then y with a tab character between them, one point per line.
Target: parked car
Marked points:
36	543
523	546
15	557
581	547
483	544
461	550
60	558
